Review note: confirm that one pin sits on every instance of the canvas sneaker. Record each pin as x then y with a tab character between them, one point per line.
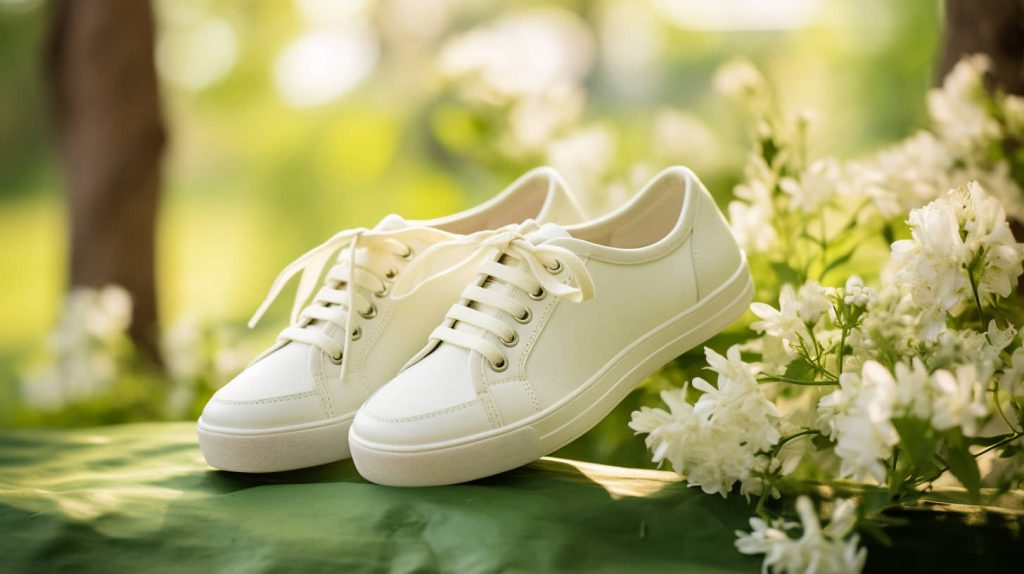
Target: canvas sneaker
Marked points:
561	323
292	406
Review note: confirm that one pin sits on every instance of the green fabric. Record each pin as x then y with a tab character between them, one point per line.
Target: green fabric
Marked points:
140	498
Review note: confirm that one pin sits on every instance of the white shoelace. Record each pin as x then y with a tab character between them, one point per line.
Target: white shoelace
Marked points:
367	264
544	263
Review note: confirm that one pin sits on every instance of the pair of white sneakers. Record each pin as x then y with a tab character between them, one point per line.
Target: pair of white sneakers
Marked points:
442	351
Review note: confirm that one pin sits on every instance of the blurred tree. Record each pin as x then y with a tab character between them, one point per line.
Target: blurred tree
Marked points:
993	27
110	131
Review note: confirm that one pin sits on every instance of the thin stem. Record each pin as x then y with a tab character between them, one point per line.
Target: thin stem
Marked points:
977	297
945	466
999	407
802	382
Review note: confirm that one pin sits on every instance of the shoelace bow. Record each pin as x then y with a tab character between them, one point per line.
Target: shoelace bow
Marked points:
544	263
337	298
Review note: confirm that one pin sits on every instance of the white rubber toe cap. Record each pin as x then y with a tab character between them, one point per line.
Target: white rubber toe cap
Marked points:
417	408
276	391
419	429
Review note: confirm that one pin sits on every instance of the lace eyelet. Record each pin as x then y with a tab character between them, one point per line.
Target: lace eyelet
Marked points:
500	366
369	313
408	253
357	333
336	360
525	317
539	294
391	274
382	293
510	342
554	269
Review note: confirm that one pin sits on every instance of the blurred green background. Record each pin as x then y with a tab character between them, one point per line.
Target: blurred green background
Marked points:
292	120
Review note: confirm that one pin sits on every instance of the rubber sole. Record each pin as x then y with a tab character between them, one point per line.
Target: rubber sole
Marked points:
499	450
276	450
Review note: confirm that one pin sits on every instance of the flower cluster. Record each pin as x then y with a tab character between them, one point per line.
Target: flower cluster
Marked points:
721	440
897	375
962	249
84	350
90	360
833	548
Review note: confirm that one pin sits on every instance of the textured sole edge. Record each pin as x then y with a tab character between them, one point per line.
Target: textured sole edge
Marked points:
500	450
280	450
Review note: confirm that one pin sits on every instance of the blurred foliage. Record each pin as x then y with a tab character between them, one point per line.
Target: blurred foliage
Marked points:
292	120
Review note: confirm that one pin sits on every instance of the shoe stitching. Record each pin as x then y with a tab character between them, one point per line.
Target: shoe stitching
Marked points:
423	416
666	251
534	399
695	258
307	394
323	389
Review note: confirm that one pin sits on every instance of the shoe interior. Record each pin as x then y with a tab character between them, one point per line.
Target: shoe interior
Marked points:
522	200
648	218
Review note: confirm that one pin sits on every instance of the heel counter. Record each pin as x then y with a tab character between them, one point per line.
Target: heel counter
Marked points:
716	255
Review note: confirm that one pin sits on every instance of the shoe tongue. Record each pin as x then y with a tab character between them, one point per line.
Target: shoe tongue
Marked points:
391	222
546	232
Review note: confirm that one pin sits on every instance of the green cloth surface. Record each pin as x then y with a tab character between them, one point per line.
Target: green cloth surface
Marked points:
140	498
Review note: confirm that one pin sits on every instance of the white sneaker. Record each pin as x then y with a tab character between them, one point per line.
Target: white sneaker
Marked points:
560	325
292	407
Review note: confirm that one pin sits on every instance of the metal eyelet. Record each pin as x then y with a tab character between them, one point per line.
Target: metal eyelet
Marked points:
336	360
391	274
554	269
539	294
357	333
408	253
510	342
382	293
369	313
500	366
525	317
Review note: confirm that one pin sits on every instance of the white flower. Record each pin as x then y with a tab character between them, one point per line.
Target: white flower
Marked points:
1012	380
1013	112
817	185
740	80
583	156
956	346
855	293
931	264
519	55
995	178
721	439
904	176
988	236
864	432
959	107
959	236
960	399
730	366
913	396
84	349
836	403
751	224
798	311
833	549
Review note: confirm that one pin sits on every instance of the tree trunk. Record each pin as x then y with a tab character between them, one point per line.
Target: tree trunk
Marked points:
110	134
993	27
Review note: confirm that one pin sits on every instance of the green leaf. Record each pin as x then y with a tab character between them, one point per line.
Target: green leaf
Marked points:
841	260
799	369
918	441
872	529
888	234
962	463
785	273
821	442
